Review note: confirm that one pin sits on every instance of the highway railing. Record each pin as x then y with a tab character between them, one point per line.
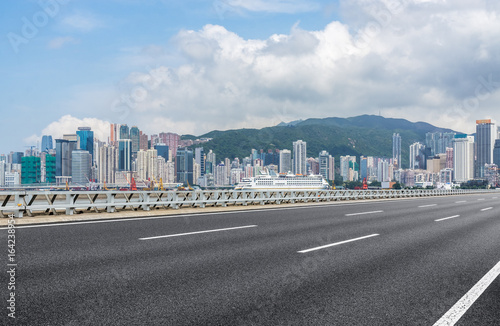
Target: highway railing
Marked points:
33	203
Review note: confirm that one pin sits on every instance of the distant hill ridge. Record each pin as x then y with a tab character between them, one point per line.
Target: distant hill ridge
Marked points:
369	135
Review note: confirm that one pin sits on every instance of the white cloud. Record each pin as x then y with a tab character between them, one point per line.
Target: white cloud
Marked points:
69	125
59	42
275	6
419	61
82	22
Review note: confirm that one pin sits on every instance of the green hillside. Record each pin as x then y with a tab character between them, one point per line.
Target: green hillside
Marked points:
363	135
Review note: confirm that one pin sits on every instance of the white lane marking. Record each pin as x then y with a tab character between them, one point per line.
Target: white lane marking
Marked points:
446	218
337	243
480	199
363	213
462	305
198	232
427	205
486	209
141	218
494	198
460	201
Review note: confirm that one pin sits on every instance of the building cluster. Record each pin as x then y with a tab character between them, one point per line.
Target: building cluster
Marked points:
81	159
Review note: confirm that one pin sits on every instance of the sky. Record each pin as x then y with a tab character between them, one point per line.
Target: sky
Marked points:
192	66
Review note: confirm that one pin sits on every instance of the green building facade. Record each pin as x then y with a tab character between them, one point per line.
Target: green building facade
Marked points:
30	170
50	169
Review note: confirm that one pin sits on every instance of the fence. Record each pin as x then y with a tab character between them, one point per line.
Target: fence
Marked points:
34	203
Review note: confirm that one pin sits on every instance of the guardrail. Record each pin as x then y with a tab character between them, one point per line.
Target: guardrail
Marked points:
34	203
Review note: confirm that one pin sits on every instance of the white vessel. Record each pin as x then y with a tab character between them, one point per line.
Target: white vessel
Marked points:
283	182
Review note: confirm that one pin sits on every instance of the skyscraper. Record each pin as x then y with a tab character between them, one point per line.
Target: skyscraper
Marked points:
199	157
81	167
285	161
86	139
486	133
324	164
396	151
108	163
125	155
496	153
135	136
463	158
185	166
64	148
417	156
47	143
124	132
299	157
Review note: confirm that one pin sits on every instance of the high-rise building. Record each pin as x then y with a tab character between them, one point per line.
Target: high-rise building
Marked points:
125	155
285	165
496	153
86	139
17	158
417	156
108	163
184	164
486	133
171	140
199	157
363	167
124	132
210	163
463	158
48	168
30	170
114	134
64	148
135	136
348	166
143	141
47	143
2	173
396	150
449	157
324	160
163	151
438	141
81	167
299	157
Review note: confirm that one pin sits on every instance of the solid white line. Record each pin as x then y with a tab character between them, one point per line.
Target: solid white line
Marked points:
428	205
197	232
446	218
486	209
363	213
462	305
337	243
460	201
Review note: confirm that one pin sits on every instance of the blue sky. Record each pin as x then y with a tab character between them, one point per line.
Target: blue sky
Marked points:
194	66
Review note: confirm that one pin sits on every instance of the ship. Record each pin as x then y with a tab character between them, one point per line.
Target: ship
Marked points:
283	181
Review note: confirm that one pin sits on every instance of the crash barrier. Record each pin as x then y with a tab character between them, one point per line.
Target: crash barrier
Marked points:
33	203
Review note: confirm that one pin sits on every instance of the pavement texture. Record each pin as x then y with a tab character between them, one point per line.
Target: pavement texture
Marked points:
249	267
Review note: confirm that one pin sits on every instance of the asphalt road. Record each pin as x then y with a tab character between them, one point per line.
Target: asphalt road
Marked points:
373	263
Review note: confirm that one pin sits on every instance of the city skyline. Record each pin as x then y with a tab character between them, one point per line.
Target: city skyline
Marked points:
200	66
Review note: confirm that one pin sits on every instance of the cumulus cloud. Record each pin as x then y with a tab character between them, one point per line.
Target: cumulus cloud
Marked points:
434	61
69	125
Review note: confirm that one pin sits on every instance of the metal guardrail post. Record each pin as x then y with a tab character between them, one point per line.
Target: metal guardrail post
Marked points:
111	208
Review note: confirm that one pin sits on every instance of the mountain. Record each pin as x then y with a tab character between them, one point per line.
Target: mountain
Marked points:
367	135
